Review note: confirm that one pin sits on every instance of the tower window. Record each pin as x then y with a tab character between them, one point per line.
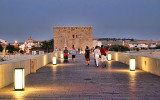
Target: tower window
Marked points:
73	36
76	36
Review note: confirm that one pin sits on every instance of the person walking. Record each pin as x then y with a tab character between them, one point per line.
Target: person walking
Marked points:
103	55
65	55
87	55
73	54
97	54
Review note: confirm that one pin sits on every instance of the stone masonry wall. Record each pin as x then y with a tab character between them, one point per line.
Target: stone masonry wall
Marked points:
80	37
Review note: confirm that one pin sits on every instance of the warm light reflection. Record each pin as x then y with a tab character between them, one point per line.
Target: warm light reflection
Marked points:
109	57
116	57
19	94
132	80
109	65
132	64
54	60
45	60
19	79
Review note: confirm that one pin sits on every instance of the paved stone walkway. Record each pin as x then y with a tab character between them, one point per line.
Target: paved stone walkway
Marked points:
76	81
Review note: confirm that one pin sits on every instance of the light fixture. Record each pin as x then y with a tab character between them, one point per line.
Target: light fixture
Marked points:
109	57
54	60
19	77
132	64
61	55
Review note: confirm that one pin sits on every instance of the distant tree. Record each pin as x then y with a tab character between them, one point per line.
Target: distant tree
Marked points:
47	45
16	48
137	49
11	48
1	48
118	48
21	51
51	43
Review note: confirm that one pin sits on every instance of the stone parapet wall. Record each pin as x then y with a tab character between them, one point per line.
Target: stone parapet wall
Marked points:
7	67
148	64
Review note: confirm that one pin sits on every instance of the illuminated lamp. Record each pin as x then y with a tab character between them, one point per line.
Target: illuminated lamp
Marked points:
54	60
132	64
109	57
19	79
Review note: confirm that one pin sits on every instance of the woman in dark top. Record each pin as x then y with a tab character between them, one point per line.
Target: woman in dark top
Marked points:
87	55
65	55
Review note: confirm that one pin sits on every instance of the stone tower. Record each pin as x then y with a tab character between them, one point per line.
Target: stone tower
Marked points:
79	37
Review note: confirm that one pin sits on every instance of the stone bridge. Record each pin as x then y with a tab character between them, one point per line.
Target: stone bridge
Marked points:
77	81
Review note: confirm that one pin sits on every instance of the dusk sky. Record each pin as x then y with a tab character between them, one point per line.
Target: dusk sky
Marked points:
139	19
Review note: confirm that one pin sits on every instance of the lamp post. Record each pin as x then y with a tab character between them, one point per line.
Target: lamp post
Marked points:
132	64
109	57
54	60
19	79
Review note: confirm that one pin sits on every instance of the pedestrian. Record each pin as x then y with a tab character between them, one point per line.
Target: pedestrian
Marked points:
73	54
87	55
79	50
56	49
97	54
65	54
103	55
94	55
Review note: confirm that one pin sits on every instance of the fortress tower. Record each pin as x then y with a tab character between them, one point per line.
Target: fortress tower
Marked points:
79	37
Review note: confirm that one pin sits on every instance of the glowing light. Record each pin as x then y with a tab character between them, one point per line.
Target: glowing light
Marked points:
54	60
15	42
61	55
19	81
132	64
109	57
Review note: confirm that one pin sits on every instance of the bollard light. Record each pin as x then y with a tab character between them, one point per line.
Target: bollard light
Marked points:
54	60
132	64
19	77
61	55
109	57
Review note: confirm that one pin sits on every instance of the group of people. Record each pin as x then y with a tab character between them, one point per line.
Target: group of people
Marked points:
73	52
99	53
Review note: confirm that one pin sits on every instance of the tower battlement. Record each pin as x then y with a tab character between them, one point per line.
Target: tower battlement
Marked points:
72	28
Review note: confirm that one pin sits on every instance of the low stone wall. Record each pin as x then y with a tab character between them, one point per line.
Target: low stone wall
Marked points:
30	64
148	64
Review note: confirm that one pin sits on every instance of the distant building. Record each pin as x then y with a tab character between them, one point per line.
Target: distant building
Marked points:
96	43
142	45
3	42
131	43
113	41
29	44
77	37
